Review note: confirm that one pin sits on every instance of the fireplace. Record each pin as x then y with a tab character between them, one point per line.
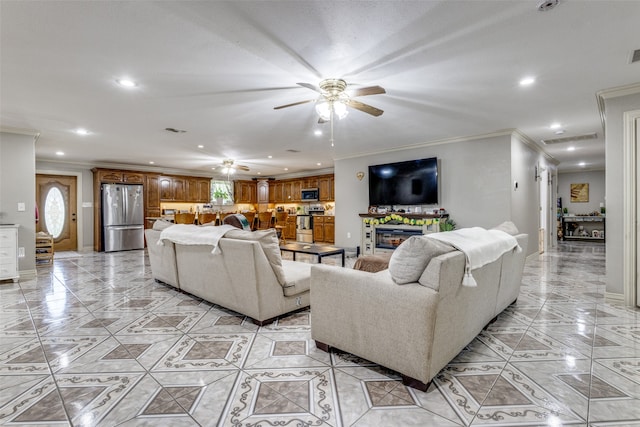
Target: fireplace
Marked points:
390	238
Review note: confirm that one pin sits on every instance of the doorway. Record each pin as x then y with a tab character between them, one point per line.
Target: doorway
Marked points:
57	203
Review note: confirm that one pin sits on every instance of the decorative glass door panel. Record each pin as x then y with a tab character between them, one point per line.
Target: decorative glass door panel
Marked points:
56	198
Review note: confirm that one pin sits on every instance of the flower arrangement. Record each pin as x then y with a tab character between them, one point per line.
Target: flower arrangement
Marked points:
399	219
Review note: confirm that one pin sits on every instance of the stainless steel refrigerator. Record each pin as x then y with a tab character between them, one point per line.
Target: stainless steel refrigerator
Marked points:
122	217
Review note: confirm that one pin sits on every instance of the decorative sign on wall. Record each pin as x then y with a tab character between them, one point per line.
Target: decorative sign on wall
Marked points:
579	193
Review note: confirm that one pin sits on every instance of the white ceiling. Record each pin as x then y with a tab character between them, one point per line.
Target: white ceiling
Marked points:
216	69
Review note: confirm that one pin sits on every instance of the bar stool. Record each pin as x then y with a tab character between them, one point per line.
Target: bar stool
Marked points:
264	220
205	218
184	218
281	220
251	217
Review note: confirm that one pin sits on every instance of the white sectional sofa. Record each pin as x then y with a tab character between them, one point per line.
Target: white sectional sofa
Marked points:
418	327
248	275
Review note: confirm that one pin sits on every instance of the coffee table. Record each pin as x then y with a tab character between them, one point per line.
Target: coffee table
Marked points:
311	249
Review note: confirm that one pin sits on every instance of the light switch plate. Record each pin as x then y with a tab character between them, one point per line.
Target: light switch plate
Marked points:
21	207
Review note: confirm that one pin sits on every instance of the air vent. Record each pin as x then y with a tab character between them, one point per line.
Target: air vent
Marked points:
291	150
635	56
584	137
174	130
547	5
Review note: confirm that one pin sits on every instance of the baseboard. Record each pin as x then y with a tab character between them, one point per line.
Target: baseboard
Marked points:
28	274
614	296
86	249
533	256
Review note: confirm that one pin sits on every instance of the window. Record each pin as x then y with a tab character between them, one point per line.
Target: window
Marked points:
54	212
222	188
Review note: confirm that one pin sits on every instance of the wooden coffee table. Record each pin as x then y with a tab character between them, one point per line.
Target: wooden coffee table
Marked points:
311	249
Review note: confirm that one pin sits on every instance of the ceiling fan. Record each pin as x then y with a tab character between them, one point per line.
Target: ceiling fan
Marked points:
229	167
334	99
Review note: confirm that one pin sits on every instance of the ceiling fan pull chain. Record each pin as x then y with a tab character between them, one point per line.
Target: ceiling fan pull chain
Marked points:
331	122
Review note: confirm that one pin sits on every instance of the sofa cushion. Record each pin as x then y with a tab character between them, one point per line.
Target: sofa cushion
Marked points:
298	276
412	256
270	245
508	227
161	224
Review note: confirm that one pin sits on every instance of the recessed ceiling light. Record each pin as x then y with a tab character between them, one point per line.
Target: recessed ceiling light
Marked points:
547	5
126	83
582	164
200	146
270	157
59	153
527	81
317	132
259	173
151	162
555	125
572	148
286	169
559	132
319	164
213	169
82	131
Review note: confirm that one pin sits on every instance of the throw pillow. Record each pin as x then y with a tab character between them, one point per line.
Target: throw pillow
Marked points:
508	227
412	256
161	224
270	245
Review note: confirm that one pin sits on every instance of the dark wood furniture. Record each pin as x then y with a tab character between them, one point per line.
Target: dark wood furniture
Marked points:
320	251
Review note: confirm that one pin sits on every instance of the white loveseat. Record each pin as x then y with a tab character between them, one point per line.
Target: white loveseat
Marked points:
418	327
248	275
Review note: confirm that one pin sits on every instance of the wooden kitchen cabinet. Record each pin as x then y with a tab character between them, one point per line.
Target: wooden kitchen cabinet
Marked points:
263	191
166	188
133	177
151	199
325	189
324	229
179	189
290	228
296	187
245	191
204	190
276	188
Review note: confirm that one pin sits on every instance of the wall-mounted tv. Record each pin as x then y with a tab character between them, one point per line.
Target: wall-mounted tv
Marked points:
414	182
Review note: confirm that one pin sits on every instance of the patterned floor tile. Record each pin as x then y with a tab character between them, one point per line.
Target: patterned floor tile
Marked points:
283	397
279	350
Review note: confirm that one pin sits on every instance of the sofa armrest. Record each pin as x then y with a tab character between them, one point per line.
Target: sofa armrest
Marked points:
367	314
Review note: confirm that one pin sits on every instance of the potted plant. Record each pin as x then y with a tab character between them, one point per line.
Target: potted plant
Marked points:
565	211
220	196
447	225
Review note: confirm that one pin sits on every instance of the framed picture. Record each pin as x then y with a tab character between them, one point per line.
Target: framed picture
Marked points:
579	193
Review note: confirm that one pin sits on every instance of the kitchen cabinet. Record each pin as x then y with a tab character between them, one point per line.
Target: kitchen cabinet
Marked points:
166	188
179	189
324	228
296	187
263	191
276	189
151	199
286	192
204	190
325	189
290	228
115	176
245	191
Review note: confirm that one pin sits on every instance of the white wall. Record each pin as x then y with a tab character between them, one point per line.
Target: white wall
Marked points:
474	183
614	110
18	185
597	190
528	201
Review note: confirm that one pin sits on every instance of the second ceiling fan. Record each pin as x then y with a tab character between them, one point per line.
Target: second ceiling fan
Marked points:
334	99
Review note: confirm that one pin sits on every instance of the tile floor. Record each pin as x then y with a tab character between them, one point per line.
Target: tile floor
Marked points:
94	341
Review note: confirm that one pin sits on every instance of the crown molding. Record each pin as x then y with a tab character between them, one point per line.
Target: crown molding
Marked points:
504	132
614	92
21	131
564	171
130	167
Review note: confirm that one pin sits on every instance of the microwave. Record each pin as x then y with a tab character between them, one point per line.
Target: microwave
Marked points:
309	194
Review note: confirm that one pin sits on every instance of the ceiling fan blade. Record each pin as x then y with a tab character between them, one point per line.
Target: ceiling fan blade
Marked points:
294	104
364	108
310	86
321	120
371	90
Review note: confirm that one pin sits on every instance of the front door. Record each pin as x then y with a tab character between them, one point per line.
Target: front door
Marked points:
56	198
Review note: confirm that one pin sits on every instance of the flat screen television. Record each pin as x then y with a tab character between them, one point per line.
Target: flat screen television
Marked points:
414	182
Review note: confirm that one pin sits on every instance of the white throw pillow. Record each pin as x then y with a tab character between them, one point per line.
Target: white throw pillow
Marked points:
508	227
270	244
412	256
161	224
